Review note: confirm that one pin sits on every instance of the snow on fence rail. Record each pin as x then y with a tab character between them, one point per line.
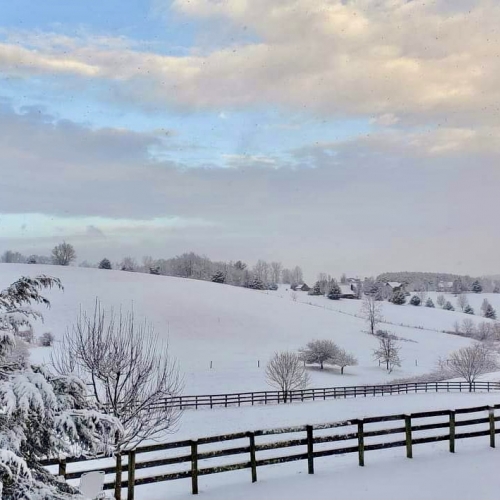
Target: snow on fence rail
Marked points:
194	458
277	397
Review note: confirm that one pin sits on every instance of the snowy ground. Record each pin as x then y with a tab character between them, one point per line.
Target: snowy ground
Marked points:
235	328
433	474
273	479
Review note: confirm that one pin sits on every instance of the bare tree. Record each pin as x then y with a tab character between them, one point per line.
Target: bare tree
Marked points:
276	268
286	372
462	301
63	254
372	312
388	352
318	352
128	264
294	296
471	362
129	371
468	327
441	301
343	359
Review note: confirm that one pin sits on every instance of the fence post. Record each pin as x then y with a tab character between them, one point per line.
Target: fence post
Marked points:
452	431
361	443
409	451
492	426
253	461
211	403
62	467
194	467
310	451
131	475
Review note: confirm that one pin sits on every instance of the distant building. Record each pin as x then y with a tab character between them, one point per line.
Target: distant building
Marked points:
305	288
347	291
445	286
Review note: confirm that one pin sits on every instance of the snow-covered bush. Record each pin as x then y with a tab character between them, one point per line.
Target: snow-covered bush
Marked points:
429	303
415	300
47	339
40	414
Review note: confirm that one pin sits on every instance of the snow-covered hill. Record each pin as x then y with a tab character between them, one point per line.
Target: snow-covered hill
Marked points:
235	328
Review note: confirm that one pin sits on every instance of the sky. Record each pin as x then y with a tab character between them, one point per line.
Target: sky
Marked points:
357	136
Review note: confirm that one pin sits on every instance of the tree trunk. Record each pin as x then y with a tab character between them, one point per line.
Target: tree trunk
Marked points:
118	479
321	364
342	370
387	364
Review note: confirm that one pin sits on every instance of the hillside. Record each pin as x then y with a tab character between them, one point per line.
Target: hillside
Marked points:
235	327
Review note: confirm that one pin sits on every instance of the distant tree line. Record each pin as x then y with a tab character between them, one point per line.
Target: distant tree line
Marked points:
262	276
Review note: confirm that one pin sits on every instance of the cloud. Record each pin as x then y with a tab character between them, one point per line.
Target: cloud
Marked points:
418	61
336	206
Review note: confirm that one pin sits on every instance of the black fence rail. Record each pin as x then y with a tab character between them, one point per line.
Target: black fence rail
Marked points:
190	459
280	397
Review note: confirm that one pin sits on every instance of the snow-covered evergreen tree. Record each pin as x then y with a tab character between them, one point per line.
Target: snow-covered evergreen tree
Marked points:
257	284
219	277
316	289
429	303
415	300
40	414
496	289
448	306
335	291
398	297
105	264
489	312
468	309
477	287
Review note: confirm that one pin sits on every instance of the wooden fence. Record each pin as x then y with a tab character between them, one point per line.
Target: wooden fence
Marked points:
277	397
194	458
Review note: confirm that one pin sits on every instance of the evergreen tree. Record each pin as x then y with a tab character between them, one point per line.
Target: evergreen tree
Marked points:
429	303
42	414
468	309
415	300
335	292
398	297
496	289
105	264
316	289
154	270
477	287
257	284
219	277
490	312
448	306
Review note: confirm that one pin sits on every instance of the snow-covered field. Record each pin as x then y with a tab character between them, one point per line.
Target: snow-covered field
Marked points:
235	328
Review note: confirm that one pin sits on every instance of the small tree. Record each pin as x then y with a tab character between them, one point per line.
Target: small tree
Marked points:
316	289
441	301
219	277
468	327
415	300
388	352
105	264
471	362
129	372
318	352
398	297
335	292
477	287
257	284
429	303
343	359
63	254
285	371
468	309
128	264
489	312
496	289
448	306
372	312
47	339
462	301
